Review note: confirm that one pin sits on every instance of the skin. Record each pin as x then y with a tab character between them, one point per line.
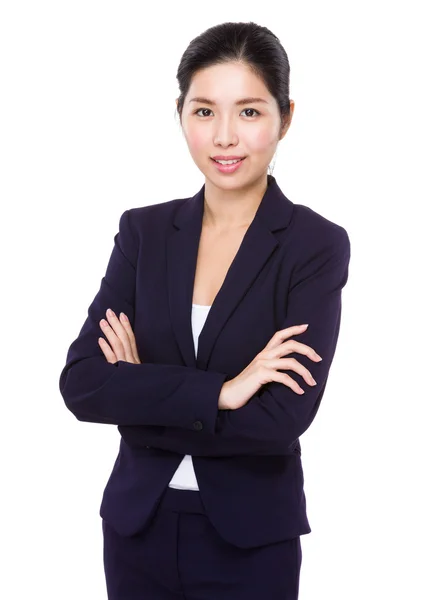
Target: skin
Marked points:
122	342
231	200
252	129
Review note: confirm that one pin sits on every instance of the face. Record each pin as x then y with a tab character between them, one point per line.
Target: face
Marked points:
218	123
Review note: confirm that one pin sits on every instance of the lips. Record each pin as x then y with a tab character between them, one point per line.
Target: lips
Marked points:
232	159
230	167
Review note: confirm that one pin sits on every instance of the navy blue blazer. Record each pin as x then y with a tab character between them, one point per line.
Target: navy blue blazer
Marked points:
290	269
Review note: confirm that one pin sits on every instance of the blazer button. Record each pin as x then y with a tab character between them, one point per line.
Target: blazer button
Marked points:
198	425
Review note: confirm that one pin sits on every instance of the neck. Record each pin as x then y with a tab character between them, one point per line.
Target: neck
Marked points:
226	209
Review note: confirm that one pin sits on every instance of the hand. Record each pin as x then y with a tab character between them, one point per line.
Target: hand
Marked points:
121	337
263	369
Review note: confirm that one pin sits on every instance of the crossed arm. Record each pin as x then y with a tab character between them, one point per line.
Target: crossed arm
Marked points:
143	397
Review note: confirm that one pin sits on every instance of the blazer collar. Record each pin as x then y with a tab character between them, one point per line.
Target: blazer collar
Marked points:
273	214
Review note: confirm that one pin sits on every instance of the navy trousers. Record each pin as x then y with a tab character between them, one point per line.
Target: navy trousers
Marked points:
180	556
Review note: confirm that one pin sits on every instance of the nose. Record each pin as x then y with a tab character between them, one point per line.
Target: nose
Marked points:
225	133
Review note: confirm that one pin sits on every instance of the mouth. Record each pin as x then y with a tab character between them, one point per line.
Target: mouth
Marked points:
228	166
229	161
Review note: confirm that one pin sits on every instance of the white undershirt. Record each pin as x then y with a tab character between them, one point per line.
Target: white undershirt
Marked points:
184	478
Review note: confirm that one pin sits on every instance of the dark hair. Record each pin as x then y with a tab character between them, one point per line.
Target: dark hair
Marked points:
248	43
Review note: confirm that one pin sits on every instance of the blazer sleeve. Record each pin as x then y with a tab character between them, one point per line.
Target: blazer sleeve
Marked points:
276	414
124	393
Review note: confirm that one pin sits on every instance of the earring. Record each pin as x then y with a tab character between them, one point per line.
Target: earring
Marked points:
273	162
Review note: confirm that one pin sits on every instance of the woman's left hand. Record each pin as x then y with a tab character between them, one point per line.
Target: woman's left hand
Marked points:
122	343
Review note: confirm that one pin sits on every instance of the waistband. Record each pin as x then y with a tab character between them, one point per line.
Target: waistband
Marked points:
188	501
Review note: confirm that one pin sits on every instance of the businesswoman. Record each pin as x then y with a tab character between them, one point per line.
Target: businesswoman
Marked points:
209	344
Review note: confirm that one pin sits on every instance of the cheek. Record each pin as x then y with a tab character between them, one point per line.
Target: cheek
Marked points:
196	139
262	140
196	143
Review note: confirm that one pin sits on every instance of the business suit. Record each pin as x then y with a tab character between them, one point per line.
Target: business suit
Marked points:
290	269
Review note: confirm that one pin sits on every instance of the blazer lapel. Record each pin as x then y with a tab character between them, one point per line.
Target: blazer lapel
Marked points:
259	242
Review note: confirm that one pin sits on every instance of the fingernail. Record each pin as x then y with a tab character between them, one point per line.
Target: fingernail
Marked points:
123	317
110	312
103	322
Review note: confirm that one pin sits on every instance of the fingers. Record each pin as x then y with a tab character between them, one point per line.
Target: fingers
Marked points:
277	342
282	334
117	337
295	346
292	365
126	324
286	380
107	350
288	348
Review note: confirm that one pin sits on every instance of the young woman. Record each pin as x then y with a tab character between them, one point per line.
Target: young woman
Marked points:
209	345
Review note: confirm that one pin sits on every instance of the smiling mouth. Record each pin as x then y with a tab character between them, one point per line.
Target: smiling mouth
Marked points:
229	162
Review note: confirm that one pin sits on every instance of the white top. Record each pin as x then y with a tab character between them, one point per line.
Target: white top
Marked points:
184	478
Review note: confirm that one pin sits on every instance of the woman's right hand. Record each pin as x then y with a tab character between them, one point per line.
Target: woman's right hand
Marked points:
263	369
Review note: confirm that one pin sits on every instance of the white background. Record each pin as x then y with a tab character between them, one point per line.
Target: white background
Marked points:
88	129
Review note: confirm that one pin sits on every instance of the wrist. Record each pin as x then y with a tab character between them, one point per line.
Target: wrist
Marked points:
224	402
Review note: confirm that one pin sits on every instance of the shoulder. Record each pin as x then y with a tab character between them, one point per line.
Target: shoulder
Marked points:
310	229
160	210
142	218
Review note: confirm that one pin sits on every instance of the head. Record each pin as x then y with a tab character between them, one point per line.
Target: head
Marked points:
218	72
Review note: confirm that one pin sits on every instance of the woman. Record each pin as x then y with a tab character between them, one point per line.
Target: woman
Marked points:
207	299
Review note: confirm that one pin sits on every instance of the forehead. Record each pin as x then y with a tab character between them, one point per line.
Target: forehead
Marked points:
227	82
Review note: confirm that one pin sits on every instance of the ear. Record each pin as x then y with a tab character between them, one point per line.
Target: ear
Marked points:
287	124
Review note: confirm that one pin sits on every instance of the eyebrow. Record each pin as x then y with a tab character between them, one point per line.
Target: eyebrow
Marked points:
249	100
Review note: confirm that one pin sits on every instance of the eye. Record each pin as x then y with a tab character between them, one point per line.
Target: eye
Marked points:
208	109
253	109
197	111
